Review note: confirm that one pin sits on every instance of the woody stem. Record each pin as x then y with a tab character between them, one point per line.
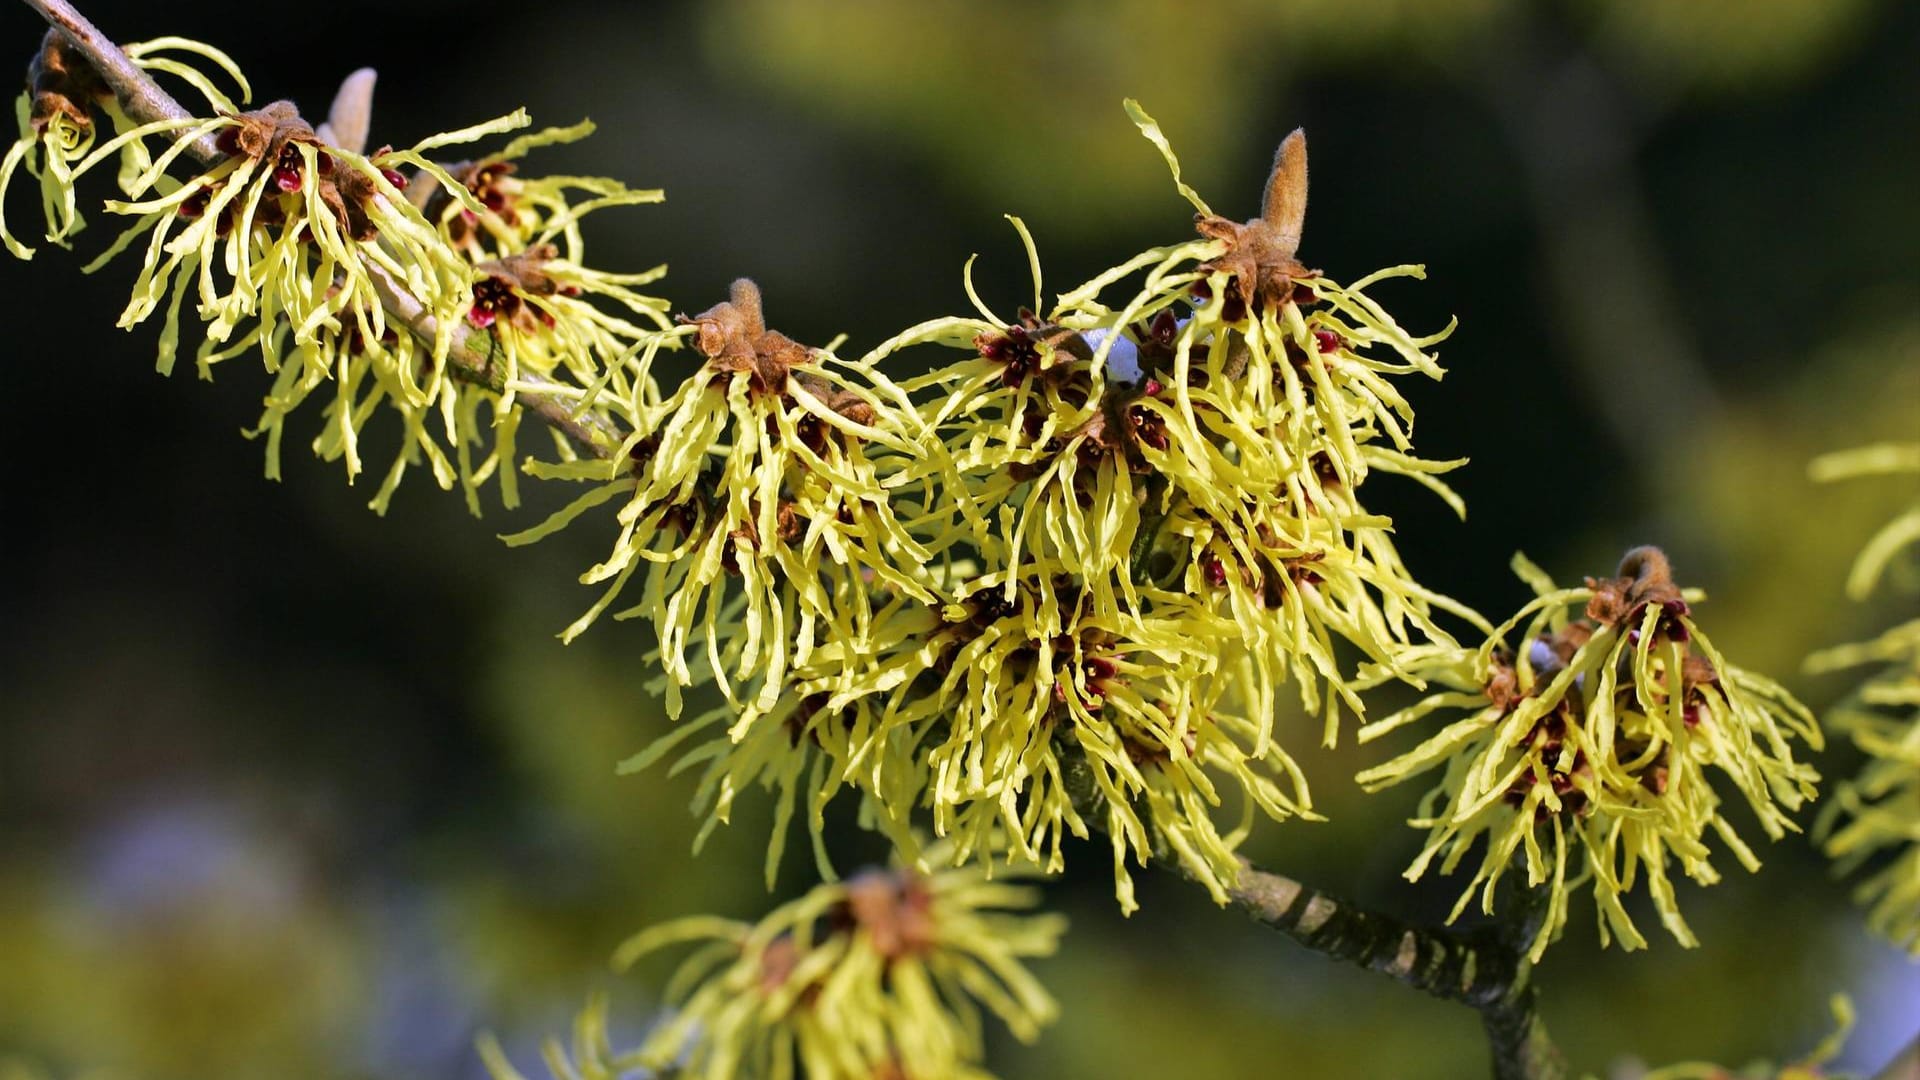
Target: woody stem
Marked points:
144	101
1484	969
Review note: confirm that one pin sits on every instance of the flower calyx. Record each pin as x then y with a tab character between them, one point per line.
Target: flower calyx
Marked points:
894	909
1645	578
789	528
502	294
1028	348
62	83
274	134
270	133
493	185
733	336
1261	253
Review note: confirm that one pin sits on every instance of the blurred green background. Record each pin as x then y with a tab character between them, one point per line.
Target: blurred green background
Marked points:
288	790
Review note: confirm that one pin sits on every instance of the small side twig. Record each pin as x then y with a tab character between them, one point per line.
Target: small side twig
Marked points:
144	101
468	364
1483	969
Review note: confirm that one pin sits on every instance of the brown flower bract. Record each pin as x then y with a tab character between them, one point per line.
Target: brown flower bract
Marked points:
1261	252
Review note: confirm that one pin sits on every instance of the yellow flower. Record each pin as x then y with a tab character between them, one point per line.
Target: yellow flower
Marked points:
880	977
1878	811
535	305
1588	752
760	496
994	694
1112	531
56	117
509	212
282	227
1212	447
304	249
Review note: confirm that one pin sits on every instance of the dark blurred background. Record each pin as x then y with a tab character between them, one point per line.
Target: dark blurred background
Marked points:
288	790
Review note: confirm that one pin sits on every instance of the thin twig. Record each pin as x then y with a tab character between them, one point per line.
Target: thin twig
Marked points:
139	95
1483	969
145	101
470	365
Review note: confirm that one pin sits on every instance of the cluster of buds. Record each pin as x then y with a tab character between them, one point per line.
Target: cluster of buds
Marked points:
1588	752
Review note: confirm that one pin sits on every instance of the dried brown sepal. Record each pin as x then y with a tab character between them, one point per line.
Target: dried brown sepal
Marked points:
848	403
1028	348
733	336
1261	253
788	525
1503	683
777	962
896	911
274	134
347	192
267	132
1645	577
526	271
62	82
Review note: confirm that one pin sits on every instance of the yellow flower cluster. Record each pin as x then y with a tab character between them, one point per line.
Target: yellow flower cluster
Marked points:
1587	752
1108	534
1878	811
58	132
322	257
1154	485
1060	581
885	976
